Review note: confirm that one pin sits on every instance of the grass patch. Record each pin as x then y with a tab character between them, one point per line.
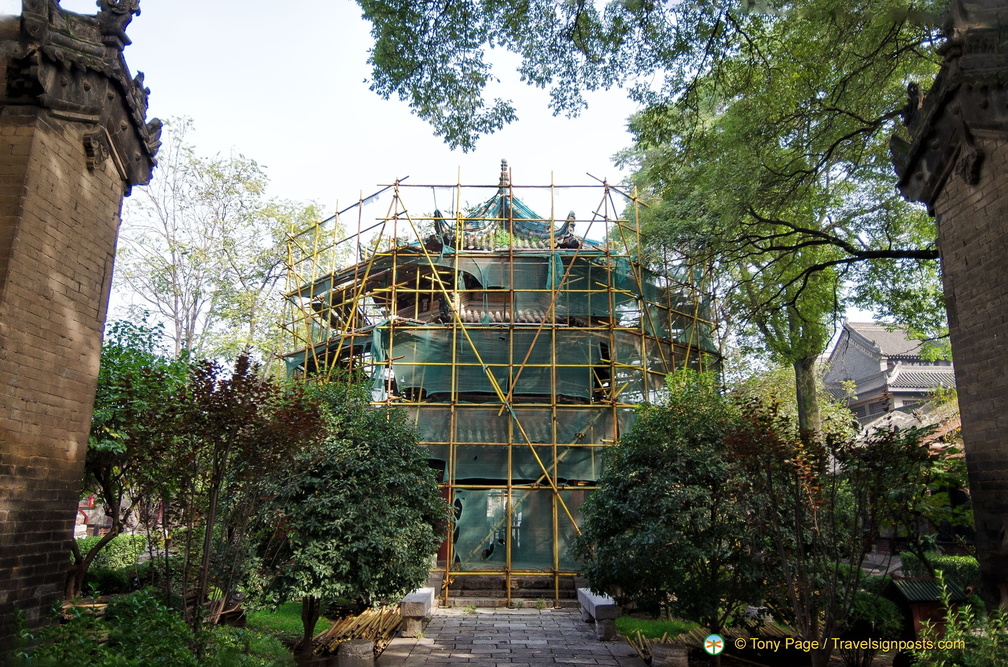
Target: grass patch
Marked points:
284	622
247	646
653	628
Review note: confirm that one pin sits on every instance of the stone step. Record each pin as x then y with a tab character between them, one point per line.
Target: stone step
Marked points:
462	602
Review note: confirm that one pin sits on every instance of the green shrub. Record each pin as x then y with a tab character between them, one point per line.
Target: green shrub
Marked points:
106	581
667	529
122	551
875	583
143	630
136	631
874	616
983	637
964	571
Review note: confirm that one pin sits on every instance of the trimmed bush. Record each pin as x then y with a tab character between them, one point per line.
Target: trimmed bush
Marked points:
874	583
964	571
105	581
123	551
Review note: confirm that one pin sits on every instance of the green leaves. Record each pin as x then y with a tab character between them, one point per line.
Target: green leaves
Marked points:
773	163
202	247
433	55
133	405
667	526
356	517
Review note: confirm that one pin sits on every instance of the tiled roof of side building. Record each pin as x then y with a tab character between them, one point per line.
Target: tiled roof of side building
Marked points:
863	385
922	379
889	343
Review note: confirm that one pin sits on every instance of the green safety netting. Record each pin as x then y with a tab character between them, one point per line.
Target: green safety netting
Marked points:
573	334
481	529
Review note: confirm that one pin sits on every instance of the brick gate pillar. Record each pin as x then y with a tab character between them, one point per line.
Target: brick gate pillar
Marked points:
73	140
956	163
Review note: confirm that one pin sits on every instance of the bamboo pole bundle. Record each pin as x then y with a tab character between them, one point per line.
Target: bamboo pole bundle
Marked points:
376	624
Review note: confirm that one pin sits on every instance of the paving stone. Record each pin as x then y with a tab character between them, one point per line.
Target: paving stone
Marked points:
517	637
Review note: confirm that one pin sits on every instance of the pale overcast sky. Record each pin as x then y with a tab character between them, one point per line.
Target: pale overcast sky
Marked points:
284	83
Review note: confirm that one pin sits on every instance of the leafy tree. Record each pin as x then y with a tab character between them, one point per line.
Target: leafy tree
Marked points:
871	617
238	428
202	246
355	518
133	404
824	503
763	135
922	501
667	526
775	385
776	164
435	56
795	333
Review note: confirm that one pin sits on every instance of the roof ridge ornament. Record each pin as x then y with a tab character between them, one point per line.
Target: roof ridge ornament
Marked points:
505	179
115	15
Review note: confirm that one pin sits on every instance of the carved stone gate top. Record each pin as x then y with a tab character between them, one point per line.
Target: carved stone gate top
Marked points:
73	65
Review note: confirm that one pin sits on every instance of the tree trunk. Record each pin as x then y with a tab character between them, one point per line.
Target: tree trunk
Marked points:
310	611
820	657
216	483
809	422
81	562
202	588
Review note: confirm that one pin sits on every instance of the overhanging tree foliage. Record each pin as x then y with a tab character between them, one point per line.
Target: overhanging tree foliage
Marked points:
781	101
762	140
780	156
775	164
435	56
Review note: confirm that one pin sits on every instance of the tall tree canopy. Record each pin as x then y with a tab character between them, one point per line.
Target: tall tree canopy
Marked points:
776	163
436	56
203	248
762	140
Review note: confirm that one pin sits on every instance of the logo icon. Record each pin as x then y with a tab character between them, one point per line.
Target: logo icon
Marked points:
714	644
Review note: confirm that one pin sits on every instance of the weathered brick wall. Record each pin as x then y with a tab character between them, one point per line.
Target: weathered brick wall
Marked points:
58	226
973	237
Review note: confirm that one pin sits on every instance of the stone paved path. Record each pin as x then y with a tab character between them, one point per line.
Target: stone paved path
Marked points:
493	637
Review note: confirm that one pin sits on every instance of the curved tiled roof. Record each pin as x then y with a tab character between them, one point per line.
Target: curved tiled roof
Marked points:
503	220
886	341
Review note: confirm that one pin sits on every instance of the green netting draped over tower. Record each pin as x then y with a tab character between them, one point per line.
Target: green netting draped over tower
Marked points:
518	344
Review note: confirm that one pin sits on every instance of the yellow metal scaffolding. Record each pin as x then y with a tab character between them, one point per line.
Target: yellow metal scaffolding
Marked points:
518	347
